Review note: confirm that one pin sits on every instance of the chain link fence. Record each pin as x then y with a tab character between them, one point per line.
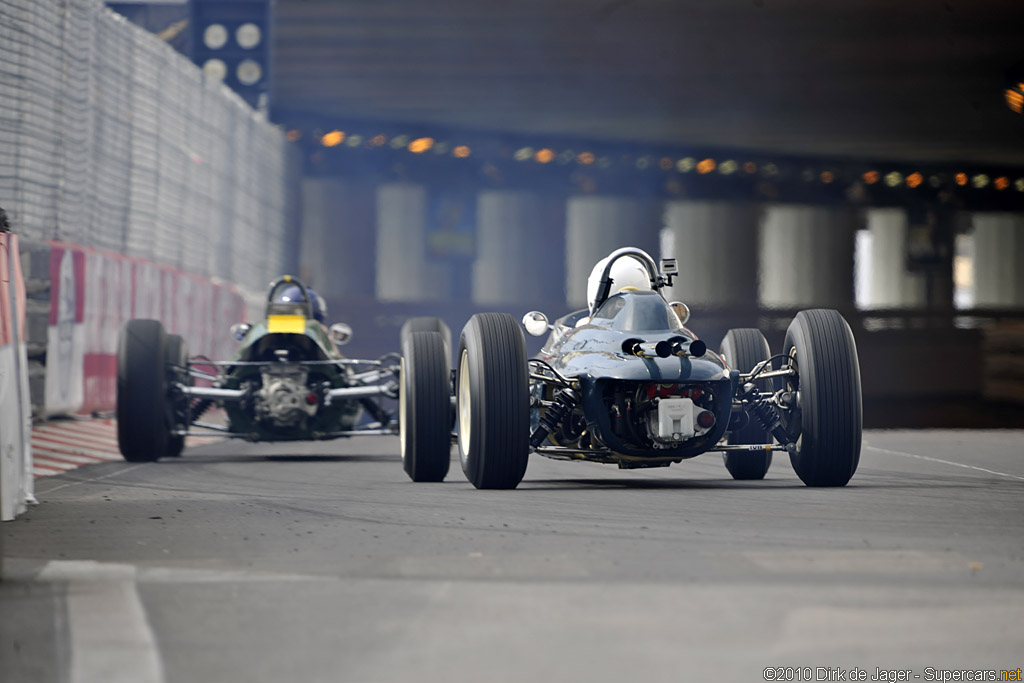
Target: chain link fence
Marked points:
111	139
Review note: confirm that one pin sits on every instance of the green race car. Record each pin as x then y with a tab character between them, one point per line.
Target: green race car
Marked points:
288	381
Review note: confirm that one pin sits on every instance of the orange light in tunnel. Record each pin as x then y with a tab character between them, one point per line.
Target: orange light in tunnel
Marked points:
1001	183
586	158
462	151
915	179
961	179
706	166
750	167
421	145
333	139
871	177
378	140
665	163
827	177
1015	100
544	156
294	135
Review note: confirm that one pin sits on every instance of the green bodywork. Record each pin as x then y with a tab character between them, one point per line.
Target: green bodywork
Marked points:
260	345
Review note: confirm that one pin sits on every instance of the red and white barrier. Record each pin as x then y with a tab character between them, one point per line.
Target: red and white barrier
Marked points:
93	293
15	407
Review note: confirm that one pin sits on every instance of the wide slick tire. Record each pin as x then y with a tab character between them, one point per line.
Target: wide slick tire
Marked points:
177	370
743	348
829	416
493	402
428	324
142	433
424	419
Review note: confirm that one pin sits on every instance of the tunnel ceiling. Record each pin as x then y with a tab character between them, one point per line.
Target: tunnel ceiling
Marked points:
888	79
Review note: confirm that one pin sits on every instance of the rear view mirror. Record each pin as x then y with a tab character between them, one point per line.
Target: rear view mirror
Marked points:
536	323
239	330
341	333
682	311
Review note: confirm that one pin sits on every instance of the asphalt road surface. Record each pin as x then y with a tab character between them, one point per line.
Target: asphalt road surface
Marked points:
323	562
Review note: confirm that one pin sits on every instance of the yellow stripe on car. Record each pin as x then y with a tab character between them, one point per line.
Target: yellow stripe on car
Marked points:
294	324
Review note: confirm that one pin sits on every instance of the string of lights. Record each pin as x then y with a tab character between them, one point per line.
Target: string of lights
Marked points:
502	155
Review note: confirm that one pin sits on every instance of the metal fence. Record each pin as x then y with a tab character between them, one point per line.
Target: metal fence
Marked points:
111	139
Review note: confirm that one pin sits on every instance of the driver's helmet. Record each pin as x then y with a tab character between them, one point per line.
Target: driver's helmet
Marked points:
288	297
319	306
626	273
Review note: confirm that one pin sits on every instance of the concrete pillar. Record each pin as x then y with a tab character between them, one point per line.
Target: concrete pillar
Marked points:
517	261
889	283
596	226
403	273
998	260
806	257
715	247
336	255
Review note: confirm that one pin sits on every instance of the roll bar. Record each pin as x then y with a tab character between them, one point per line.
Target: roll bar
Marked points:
657	279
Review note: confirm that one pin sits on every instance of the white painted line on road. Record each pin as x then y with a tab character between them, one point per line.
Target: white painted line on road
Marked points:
111	641
944	462
91	479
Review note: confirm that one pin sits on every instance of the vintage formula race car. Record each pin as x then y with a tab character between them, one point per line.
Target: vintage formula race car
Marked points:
626	382
288	381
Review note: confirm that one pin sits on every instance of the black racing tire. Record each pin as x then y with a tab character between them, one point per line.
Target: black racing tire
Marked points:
493	401
142	433
177	370
428	324
743	348
424	407
828	419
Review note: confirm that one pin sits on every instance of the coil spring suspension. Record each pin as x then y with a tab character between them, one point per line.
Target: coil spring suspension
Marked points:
564	402
768	417
200	406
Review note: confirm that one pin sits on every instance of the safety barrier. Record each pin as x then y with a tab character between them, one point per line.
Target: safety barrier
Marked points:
91	294
15	410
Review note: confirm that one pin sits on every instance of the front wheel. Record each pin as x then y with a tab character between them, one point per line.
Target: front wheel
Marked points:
142	432
424	407
493	402
827	418
742	349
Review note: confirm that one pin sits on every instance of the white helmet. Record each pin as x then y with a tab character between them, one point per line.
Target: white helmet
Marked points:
626	272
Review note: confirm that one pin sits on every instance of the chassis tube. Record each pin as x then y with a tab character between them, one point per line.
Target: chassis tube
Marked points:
213	392
358	392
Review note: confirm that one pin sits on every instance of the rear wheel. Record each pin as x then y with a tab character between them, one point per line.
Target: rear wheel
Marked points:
428	324
493	404
424	407
742	349
142	433
828	418
177	371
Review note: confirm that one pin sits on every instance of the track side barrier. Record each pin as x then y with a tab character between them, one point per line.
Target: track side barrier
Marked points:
15	407
92	293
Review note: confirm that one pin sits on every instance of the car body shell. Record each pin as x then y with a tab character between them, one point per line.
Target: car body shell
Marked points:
592	354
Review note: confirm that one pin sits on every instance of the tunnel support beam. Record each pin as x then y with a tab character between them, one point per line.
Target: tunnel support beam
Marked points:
715	247
403	272
338	243
516	260
595	226
998	260
890	284
806	257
